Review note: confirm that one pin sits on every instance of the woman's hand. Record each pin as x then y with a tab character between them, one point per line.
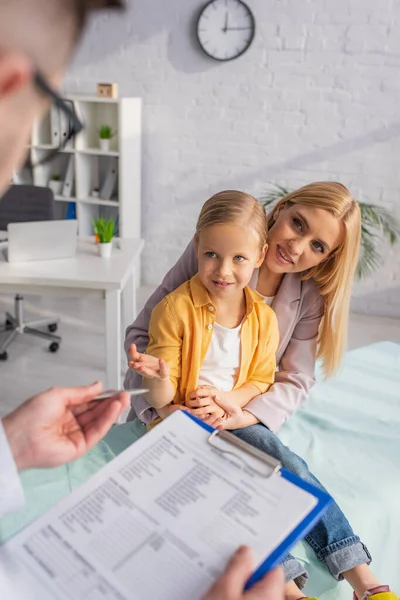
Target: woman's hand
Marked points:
147	366
203	403
234	416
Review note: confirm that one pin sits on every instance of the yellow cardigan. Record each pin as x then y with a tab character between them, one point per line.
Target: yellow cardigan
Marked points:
180	331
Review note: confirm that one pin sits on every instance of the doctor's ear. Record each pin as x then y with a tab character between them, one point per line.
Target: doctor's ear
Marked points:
16	72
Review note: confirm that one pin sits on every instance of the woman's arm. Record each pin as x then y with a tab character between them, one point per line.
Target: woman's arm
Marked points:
295	377
137	333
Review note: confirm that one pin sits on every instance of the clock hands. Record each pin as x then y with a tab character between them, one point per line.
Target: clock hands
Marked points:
225	29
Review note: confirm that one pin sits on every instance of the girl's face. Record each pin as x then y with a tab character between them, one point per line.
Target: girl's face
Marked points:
301	238
227	256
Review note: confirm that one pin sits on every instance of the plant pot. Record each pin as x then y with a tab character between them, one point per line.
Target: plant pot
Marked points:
105	249
105	145
56	187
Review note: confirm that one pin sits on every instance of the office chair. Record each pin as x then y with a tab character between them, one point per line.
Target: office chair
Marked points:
23	203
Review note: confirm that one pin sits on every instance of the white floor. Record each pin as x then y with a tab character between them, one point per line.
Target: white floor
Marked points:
32	368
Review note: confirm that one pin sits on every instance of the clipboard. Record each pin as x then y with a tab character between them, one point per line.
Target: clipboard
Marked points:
139	515
241	449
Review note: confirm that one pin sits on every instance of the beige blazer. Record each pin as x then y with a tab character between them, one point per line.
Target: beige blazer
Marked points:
299	308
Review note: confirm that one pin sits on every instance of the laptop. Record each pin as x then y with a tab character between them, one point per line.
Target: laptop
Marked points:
42	240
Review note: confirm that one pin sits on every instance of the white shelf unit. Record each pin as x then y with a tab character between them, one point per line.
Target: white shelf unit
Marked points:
91	165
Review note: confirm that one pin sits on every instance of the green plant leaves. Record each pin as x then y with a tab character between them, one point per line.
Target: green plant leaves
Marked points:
106	133
105	229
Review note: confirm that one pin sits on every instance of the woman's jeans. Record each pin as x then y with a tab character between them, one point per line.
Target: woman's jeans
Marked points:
332	539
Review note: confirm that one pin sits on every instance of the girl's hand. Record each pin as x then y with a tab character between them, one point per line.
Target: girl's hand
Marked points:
234	416
146	365
203	403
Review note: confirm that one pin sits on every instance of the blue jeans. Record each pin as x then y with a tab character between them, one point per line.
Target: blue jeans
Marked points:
332	539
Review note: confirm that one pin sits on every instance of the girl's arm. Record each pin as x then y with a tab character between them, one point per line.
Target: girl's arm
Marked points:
156	377
242	395
161	390
137	333
165	344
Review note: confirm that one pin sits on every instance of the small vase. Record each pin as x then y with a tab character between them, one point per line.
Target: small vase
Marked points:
105	145
56	187
105	249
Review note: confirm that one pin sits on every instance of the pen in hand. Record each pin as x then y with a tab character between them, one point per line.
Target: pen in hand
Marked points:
110	393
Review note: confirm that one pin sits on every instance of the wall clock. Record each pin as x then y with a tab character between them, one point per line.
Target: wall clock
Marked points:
225	29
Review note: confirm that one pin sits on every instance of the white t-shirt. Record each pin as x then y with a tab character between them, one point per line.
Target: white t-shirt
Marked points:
222	361
267	299
253	284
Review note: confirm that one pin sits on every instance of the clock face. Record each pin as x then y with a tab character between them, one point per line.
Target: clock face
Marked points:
225	29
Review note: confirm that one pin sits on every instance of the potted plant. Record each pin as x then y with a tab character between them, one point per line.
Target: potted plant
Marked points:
104	230
55	184
375	222
105	135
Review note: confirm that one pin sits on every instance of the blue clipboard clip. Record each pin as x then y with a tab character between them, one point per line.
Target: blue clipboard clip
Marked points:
236	443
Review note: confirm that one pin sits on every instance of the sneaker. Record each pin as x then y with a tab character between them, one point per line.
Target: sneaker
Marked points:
382	592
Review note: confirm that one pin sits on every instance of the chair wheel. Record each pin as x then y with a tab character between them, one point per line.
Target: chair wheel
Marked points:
4	356
54	346
53	327
8	324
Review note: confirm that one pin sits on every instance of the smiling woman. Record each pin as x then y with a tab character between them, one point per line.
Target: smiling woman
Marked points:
315	231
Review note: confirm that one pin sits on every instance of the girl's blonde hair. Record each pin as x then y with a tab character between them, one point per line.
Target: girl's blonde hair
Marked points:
333	276
232	206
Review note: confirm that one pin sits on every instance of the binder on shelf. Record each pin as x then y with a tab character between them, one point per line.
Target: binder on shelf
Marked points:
71	211
69	179
54	126
110	179
178	503
65	126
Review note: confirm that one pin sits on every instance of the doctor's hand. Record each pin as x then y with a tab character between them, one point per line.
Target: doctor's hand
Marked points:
60	425
230	586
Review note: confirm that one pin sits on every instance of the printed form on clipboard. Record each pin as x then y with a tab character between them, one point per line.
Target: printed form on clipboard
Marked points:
162	519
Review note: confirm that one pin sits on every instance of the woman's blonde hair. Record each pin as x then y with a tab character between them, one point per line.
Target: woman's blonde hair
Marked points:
333	276
232	206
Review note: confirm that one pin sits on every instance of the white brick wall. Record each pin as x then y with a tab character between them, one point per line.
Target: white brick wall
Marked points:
317	96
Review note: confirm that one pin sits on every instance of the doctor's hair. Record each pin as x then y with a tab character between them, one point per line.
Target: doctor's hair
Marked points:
234	207
47	31
83	8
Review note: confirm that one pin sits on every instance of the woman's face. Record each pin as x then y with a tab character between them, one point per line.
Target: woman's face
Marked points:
302	237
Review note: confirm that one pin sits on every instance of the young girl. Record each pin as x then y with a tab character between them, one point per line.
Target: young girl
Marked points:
214	333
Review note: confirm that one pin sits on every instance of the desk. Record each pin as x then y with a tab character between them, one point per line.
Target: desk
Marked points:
86	273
